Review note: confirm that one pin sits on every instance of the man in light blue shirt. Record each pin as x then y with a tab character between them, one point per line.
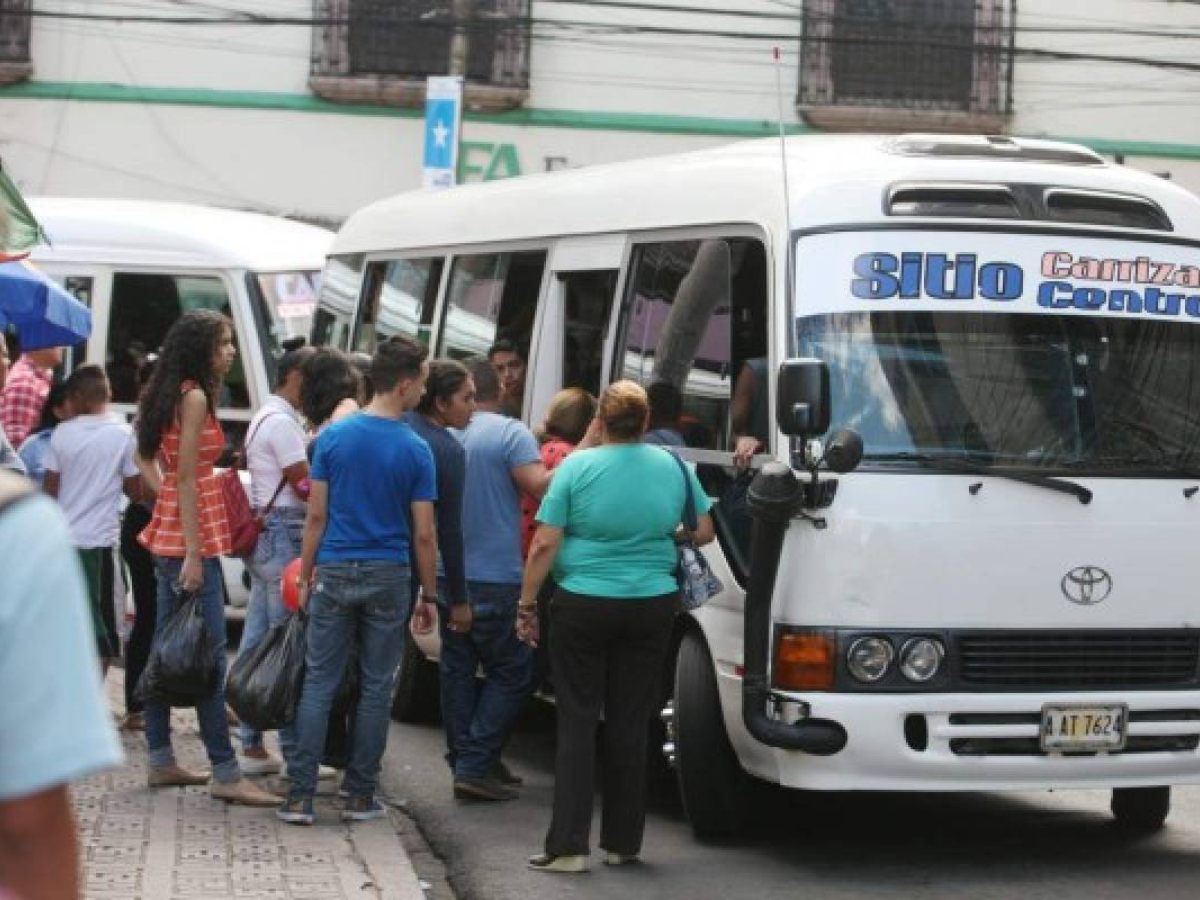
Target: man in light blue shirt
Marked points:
53	717
503	460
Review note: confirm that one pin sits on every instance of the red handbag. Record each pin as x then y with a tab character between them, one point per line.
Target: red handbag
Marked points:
244	525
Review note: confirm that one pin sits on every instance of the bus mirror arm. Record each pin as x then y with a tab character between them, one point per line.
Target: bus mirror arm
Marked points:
775	496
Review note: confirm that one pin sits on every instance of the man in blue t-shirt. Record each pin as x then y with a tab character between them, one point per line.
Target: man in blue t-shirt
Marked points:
503	460
370	475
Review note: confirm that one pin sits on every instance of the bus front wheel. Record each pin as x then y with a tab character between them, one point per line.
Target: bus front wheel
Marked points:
712	785
1141	809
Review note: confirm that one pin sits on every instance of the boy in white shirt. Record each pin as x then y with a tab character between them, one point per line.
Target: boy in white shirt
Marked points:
88	466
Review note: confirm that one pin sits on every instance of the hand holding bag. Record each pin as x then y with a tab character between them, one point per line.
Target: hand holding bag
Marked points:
697	583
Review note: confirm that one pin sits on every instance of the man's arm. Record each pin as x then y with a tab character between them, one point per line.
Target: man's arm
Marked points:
314	530
425	545
38	856
533	479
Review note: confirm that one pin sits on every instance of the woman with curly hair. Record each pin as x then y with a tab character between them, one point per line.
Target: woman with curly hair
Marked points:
179	441
330	387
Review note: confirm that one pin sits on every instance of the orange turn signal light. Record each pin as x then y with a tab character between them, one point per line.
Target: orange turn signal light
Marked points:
804	660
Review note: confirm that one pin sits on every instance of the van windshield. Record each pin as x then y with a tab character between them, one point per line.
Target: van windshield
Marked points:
284	303
1080	394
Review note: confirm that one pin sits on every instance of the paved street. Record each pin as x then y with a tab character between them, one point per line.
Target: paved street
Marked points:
823	847
178	843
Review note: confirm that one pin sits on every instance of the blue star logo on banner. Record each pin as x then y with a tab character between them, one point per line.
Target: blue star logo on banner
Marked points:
440	119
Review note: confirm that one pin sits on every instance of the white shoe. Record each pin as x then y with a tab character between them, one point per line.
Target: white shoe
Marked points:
324	773
260	765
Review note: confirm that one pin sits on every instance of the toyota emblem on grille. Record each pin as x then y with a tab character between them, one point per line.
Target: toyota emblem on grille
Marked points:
1087	585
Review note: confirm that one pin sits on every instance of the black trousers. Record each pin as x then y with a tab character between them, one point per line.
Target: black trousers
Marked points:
607	656
143	583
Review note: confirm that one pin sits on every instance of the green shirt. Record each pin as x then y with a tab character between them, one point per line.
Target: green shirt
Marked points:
619	506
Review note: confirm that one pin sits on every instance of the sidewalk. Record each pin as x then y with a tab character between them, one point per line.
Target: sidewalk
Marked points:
179	844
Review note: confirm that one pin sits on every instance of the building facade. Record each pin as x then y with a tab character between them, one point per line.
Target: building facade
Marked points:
314	107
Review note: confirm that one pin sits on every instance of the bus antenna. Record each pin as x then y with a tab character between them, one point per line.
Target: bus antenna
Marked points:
783	164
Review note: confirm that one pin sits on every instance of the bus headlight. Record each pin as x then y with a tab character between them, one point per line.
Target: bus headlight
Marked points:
921	658
869	658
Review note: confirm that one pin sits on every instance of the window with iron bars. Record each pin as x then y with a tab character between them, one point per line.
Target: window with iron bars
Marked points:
381	51
15	64
941	65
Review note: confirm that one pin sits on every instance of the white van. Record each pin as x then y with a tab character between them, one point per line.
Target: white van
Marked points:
139	265
968	364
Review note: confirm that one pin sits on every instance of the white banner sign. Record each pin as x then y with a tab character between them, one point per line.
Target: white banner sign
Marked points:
883	271
443	121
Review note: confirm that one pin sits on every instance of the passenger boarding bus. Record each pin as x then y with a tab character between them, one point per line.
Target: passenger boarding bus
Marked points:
967	366
139	265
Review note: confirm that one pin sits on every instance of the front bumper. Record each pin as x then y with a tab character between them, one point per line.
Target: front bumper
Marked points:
976	742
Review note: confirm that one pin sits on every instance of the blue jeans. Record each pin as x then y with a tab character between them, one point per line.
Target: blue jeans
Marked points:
277	546
370	599
478	718
214	727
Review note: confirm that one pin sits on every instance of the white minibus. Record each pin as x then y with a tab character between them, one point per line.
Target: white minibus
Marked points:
139	265
967	366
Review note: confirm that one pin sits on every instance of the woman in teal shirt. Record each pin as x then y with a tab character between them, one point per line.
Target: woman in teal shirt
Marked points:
607	526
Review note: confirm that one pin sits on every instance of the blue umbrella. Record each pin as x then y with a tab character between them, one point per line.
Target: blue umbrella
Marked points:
43	313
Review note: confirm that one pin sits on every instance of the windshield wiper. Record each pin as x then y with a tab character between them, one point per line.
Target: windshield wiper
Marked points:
970	467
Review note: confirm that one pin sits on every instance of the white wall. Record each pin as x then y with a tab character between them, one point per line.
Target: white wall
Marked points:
326	165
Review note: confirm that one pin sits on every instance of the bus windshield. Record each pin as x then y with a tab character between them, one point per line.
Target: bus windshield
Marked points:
1081	394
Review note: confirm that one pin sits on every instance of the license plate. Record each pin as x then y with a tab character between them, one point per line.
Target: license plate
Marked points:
1084	728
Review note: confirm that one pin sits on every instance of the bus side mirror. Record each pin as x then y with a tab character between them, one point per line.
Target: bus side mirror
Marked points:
844	451
802	399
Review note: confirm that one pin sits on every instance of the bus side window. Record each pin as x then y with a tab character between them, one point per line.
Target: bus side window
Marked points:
694	320
144	307
491	296
587	300
398	299
333	323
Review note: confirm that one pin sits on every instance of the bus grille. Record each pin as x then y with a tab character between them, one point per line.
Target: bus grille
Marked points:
1079	659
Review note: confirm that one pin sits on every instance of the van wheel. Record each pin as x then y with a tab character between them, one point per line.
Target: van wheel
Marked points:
1141	809
416	695
712	785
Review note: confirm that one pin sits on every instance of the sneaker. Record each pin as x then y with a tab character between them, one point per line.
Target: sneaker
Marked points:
363	809
174	776
296	811
482	789
619	859
505	775
260	765
546	862
244	792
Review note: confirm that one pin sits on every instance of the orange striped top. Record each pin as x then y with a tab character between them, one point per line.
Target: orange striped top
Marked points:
164	535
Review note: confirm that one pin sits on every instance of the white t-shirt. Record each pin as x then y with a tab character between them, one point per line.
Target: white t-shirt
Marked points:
93	455
276	441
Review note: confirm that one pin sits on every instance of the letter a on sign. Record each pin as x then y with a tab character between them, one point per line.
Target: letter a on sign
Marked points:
443	120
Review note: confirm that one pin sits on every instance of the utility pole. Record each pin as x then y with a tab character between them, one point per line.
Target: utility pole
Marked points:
460	42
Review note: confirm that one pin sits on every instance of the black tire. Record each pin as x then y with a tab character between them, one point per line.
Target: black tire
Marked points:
712	785
416	696
1141	810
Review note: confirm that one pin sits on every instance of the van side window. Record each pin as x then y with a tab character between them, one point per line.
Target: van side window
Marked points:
143	308
333	323
492	295
694	327
588	300
398	299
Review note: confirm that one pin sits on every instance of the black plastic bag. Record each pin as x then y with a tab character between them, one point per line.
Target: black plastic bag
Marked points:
264	685
182	667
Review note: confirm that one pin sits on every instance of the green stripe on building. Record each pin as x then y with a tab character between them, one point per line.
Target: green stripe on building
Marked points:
522	118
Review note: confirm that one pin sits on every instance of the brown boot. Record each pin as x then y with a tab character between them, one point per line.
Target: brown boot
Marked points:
174	776
244	792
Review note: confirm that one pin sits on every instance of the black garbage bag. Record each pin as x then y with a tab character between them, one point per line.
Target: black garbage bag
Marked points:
182	667
264	685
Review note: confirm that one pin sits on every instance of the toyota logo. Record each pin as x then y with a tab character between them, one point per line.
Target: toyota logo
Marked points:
1086	585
